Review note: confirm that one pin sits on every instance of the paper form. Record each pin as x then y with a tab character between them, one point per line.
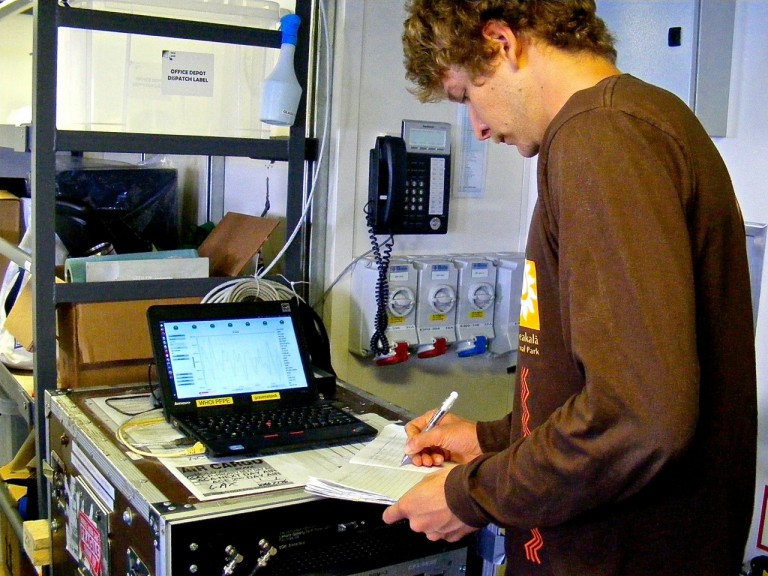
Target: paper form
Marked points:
373	474
387	451
366	484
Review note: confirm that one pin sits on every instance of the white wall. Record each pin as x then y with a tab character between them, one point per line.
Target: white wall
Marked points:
745	151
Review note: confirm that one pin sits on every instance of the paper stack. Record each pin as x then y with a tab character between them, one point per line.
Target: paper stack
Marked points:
162	265
374	474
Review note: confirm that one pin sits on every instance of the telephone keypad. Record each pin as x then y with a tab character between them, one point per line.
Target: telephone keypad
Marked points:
416	195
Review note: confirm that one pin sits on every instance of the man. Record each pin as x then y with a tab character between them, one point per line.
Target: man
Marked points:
631	446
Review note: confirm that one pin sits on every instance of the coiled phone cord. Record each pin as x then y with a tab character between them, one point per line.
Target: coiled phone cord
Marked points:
381	253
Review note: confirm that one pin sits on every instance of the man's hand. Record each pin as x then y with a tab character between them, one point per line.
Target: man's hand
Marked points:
427	511
454	439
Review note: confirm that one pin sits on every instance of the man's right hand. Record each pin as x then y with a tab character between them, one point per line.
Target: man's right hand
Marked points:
454	440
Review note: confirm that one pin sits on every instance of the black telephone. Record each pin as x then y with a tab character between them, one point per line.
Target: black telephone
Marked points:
409	180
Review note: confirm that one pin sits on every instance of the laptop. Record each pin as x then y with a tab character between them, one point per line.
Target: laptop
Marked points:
237	377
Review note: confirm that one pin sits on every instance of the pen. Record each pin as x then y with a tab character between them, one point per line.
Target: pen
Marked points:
436	417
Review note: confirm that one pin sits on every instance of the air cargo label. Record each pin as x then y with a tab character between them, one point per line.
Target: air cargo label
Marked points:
265	397
210	402
90	544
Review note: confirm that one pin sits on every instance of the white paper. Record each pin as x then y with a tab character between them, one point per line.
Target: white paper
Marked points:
471	160
187	74
386	451
366	484
152	269
373	474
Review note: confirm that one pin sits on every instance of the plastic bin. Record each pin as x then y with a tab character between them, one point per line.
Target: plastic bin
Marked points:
111	81
16	64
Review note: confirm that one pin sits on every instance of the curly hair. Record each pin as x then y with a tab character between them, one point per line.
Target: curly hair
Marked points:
439	34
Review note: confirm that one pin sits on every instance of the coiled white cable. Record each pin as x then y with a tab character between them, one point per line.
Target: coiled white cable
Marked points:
251	288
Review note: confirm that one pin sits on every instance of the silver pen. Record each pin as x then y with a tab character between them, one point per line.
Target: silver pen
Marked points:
435	420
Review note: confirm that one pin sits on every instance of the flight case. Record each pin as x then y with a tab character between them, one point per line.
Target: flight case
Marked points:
115	514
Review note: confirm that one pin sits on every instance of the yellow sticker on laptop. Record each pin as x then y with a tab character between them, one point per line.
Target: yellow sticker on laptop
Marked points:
266	396
210	402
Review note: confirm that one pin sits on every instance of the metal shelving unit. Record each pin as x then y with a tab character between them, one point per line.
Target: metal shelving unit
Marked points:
297	150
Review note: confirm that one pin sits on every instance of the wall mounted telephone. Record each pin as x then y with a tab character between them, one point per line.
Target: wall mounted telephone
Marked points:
409	180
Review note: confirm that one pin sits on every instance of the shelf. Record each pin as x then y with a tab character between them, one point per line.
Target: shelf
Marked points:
85	141
14	137
45	140
101	20
17	393
10	7
134	290
17	138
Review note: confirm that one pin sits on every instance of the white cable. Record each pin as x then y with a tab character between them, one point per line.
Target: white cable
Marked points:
252	288
326	121
258	287
348	268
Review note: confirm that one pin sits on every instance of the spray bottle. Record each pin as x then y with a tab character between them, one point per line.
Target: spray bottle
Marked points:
282	92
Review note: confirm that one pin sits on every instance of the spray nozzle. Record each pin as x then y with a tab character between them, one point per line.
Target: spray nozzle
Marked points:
289	26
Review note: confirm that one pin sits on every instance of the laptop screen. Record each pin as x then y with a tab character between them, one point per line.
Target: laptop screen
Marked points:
232	356
236	354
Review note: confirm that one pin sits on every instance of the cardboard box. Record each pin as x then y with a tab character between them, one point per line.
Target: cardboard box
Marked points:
37	541
100	343
13	560
19	320
234	242
105	343
10	224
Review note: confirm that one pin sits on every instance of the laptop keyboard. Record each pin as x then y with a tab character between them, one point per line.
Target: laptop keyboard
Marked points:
294	420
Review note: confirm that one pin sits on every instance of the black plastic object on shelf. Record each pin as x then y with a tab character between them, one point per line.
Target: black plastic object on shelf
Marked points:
134	208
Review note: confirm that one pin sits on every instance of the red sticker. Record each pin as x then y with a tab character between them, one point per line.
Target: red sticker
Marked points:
760	543
90	544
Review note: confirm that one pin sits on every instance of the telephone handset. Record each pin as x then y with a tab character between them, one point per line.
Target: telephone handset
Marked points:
386	183
409	180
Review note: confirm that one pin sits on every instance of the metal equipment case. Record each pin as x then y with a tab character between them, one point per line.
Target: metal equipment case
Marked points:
113	514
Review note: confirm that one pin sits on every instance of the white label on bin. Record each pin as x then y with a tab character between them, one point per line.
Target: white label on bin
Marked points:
187	74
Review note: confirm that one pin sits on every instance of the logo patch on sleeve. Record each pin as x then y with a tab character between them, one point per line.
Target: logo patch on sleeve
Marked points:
529	301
